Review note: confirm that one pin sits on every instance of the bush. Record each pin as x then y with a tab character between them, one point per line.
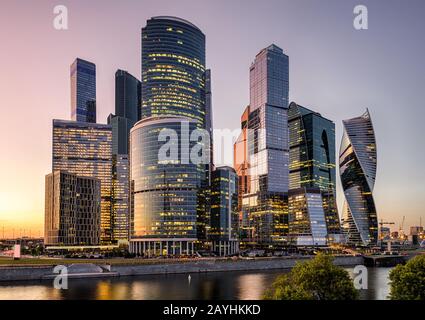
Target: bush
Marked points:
317	279
407	282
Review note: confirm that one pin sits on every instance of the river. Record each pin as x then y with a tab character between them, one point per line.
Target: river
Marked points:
205	286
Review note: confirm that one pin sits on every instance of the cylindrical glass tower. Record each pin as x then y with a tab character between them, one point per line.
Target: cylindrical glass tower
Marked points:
173	69
165	189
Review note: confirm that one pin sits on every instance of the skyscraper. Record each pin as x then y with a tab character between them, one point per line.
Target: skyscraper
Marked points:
265	204
173	69
241	165
224	232
165	190
312	159
85	149
127	110
120	216
357	166
173	87
72	210
83	91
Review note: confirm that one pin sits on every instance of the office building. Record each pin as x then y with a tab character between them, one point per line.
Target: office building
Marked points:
120	200
312	160
72	210
174	91
85	149
307	222
173	69
265	204
224	232
166	187
83	91
357	166
127	110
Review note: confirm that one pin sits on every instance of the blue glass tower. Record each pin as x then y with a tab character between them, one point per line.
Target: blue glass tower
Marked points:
83	91
173	69
265	204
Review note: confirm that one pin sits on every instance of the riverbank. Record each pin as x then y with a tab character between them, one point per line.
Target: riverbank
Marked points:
86	270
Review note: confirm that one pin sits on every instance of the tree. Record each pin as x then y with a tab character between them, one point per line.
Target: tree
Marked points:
407	282
317	279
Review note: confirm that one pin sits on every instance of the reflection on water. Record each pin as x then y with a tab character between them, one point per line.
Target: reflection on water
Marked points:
206	286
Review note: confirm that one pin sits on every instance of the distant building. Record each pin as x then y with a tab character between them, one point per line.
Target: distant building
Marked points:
72	210
416	230
312	160
85	149
307	220
264	207
83	91
357	167
385	234
224	232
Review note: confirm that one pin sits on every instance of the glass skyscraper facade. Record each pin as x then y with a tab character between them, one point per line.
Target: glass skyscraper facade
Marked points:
357	166
312	159
127	110
72	210
165	192
85	149
120	197
265	206
173	90
307	222
224	231
173	69
83	91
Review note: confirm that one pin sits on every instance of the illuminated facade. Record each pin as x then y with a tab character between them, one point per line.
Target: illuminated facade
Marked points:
224	232
166	192
264	207
120	197
312	160
83	91
357	166
241	165
85	149
72	210
127	110
307	222
175	88
173	69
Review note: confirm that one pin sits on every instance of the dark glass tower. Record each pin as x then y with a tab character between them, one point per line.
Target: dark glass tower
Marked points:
173	69
312	159
224	232
83	91
357	167
127	110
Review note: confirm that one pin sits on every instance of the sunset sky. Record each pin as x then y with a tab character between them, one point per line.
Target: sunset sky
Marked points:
334	69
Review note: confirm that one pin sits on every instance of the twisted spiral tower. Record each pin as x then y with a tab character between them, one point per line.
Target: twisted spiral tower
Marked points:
357	167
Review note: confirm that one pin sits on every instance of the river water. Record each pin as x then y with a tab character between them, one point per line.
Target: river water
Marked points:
204	286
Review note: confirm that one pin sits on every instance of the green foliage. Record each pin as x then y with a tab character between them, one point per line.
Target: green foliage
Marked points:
408	281
317	279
